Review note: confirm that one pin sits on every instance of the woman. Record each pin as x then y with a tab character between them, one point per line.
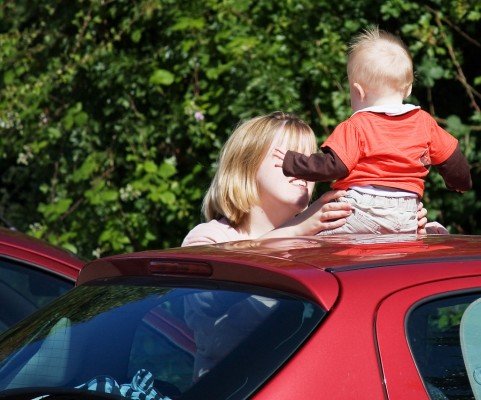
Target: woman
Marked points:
250	198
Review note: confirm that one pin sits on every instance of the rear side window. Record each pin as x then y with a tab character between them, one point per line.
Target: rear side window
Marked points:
184	342
433	330
24	289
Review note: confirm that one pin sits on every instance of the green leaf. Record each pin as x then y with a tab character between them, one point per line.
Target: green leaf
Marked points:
443	322
161	77
68	121
99	195
114	237
70	247
167	198
455	126
86	170
430	72
54	210
136	35
110	195
166	170
81	119
150	167
185	23
37	147
8	77
54	133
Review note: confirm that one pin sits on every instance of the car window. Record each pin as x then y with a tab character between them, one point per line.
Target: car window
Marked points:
433	330
24	289
177	340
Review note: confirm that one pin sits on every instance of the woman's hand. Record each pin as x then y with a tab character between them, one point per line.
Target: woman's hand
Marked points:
319	216
422	220
435	228
429	228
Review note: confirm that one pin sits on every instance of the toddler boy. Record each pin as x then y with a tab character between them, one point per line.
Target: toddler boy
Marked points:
382	153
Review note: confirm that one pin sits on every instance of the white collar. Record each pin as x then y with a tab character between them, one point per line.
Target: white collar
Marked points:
390	109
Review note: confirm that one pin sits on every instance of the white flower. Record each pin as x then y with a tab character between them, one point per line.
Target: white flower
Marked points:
22	159
35	227
129	193
97	253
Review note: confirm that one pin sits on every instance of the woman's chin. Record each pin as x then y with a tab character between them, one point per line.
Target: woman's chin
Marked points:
303	201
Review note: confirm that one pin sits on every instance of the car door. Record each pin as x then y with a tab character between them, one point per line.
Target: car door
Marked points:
418	337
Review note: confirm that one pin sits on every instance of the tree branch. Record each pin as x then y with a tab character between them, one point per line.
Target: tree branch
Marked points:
456	28
325	128
460	74
444	122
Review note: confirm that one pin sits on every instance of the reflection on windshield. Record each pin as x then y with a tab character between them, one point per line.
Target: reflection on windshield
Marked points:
141	386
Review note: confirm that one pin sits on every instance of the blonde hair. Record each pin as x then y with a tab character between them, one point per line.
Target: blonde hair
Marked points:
234	190
378	59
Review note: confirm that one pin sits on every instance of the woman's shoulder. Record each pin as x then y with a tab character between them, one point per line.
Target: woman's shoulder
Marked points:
214	231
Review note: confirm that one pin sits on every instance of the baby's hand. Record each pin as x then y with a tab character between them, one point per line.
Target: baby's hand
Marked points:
278	153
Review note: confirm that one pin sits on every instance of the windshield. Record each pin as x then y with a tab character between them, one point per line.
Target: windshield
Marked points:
165	341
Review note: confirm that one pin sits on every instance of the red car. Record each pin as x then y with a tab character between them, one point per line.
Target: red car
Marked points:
32	273
346	317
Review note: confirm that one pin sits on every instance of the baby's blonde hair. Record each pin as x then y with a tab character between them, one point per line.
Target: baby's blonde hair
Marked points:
233	191
379	59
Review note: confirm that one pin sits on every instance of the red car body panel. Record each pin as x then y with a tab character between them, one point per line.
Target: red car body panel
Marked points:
18	246
357	364
393	346
367	285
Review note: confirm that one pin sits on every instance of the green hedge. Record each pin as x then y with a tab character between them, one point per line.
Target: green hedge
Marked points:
112	112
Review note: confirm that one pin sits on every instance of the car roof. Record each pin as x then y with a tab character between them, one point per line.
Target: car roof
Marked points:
349	252
337	252
19	246
301	265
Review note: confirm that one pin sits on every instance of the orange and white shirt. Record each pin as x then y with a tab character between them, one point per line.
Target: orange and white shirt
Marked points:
390	147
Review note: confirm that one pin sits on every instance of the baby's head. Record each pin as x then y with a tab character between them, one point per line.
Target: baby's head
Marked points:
379	65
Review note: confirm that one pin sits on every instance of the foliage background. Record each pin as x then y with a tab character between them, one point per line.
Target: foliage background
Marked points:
112	112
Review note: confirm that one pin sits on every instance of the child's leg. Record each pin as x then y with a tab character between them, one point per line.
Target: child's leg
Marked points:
378	214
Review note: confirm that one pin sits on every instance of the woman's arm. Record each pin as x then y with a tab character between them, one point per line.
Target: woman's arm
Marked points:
320	215
324	214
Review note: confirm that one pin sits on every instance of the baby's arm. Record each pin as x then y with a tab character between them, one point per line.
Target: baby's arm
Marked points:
455	171
318	167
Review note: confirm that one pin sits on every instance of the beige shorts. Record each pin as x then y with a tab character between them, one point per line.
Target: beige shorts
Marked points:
378	214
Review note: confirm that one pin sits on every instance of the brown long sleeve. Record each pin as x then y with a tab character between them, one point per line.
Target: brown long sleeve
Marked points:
456	171
318	167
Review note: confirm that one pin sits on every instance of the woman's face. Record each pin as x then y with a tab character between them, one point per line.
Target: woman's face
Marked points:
278	192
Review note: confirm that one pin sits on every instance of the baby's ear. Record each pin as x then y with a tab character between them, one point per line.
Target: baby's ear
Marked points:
360	91
408	91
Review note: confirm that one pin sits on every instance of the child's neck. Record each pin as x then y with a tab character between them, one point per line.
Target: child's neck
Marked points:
392	99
